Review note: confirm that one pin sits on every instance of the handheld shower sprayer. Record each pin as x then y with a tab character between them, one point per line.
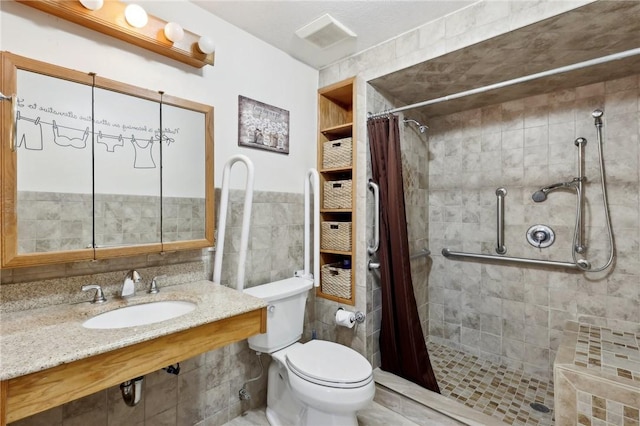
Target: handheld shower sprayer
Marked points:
597	115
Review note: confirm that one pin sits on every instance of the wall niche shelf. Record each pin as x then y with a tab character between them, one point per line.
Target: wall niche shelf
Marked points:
342	130
336	164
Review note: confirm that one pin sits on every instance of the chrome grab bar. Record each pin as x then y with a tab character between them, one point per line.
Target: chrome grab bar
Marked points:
376	217
580	247
506	259
500	194
422	253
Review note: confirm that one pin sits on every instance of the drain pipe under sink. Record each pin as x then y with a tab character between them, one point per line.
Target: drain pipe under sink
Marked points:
132	391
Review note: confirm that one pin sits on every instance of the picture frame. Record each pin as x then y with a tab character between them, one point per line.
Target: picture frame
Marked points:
262	126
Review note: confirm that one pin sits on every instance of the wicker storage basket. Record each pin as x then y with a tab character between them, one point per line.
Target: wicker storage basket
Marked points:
336	236
337	194
336	281
337	153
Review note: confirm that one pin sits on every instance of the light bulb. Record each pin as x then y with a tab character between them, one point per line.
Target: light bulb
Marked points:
136	16
92	4
173	32
206	45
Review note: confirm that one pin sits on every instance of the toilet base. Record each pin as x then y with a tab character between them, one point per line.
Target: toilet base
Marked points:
285	407
282	408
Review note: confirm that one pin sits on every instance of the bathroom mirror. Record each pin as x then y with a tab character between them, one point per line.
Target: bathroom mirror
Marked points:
184	171
95	168
126	171
52	118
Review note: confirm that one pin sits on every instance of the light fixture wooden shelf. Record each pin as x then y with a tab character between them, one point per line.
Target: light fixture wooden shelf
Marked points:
110	20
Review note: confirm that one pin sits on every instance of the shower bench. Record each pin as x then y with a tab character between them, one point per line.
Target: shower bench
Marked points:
597	376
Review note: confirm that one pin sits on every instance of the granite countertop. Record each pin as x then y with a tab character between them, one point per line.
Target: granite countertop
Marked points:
38	339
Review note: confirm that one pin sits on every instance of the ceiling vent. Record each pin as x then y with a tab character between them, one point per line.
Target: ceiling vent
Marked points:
325	31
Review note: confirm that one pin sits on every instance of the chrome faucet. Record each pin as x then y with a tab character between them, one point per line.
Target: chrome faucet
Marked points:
99	295
128	287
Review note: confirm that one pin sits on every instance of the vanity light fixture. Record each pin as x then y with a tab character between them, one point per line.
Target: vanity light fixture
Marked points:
92	4
173	32
136	16
206	45
130	23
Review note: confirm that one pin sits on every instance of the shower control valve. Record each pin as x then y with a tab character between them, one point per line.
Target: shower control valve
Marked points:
540	236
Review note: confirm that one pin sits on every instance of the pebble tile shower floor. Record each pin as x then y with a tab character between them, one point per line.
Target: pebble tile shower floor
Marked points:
501	392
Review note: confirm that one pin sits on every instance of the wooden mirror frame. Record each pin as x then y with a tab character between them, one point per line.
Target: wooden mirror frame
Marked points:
10	257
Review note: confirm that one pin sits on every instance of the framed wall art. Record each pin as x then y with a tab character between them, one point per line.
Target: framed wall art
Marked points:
262	126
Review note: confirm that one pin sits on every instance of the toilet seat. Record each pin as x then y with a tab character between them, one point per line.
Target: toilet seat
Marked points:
329	364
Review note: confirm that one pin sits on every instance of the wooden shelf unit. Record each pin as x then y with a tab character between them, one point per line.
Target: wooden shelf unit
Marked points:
336	112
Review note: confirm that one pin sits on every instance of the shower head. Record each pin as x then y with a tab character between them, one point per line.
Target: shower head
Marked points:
421	127
541	195
597	115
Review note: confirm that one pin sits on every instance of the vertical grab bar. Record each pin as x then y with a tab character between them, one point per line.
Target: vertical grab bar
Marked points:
580	246
222	221
376	218
312	183
500	194
371	249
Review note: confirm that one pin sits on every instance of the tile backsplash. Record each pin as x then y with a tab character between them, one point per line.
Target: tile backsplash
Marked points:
63	221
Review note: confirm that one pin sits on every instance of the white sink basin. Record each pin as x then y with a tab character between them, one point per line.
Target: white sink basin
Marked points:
146	313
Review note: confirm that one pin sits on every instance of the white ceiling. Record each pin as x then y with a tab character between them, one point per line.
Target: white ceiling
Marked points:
275	22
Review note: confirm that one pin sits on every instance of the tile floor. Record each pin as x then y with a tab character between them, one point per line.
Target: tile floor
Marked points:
375	415
498	391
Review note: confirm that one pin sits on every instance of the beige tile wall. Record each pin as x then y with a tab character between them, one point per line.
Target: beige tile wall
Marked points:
513	314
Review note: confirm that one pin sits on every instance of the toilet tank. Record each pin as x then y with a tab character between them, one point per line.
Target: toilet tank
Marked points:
285	313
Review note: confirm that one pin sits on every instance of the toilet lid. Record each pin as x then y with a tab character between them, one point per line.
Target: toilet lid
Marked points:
329	364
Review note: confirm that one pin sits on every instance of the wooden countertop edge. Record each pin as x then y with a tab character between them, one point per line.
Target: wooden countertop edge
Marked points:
26	395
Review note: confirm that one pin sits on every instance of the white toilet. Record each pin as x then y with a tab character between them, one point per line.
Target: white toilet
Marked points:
317	383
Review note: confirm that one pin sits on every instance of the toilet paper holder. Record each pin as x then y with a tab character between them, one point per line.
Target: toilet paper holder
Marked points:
354	317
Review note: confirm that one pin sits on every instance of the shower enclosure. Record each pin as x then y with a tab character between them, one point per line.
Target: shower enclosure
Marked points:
512	315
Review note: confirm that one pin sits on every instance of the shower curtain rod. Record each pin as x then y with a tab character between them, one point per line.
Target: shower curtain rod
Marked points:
560	70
